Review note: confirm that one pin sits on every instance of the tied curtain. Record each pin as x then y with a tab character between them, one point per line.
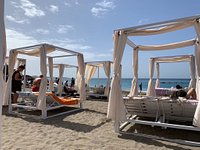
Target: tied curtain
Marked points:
151	88
41	101
116	109
2	59
90	71
157	75
50	60
134	85
106	67
192	83
80	77
61	68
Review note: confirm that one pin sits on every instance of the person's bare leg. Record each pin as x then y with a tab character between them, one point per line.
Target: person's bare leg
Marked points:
15	97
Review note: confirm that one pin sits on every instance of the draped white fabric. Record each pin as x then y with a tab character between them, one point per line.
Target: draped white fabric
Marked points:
160	29
116	109
41	101
157	75
61	72
90	71
12	60
2	57
50	60
196	119
134	85
192	83
80	77
151	88
106	67
167	46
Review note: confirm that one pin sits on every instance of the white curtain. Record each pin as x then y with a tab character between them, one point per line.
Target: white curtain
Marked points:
163	28
90	71
50	60
106	67
192	83
80	77
2	58
196	119
116	109
12	60
157	75
41	101
61	72
151	88
134	85
167	46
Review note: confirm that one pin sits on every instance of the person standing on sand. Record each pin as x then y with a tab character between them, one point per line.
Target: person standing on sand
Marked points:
17	83
140	86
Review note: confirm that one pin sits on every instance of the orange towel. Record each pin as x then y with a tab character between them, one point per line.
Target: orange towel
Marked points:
64	101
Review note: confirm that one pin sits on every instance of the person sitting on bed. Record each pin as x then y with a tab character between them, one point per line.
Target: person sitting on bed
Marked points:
36	84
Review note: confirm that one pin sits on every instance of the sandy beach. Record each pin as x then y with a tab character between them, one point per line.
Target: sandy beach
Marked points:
88	129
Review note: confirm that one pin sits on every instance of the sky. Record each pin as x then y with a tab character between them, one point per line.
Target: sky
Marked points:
87	26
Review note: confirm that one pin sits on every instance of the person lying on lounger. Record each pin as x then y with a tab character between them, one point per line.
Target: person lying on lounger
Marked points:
191	94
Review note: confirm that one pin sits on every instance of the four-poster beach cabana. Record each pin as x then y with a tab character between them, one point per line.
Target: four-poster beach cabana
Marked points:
61	68
90	70
171	59
43	51
116	108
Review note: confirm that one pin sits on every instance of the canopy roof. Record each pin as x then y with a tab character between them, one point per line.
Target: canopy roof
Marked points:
167	59
97	63
50	51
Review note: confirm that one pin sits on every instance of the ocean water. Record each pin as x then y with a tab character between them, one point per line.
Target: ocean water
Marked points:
126	83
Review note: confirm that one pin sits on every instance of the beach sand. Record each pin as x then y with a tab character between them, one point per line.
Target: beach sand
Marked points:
88	129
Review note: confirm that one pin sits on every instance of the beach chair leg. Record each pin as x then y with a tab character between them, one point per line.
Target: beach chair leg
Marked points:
44	114
117	125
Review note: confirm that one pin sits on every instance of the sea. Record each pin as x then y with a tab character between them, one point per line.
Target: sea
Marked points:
126	83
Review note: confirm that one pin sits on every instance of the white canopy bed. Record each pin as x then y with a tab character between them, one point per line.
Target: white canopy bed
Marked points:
91	68
61	68
116	110
43	51
170	59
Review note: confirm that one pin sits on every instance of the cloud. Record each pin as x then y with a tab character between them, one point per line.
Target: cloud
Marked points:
16	39
64	28
101	8
42	31
143	21
13	19
67	4
30	9
54	8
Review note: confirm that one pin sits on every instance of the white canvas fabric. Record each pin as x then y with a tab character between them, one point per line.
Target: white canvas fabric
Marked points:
157	75
61	72
12	60
192	83
151	88
167	46
134	84
196	120
50	60
80	77
2	58
106	67
41	101
90	71
116	109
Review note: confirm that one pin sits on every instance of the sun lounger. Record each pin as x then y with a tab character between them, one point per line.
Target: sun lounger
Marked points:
180	109
29	102
142	106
